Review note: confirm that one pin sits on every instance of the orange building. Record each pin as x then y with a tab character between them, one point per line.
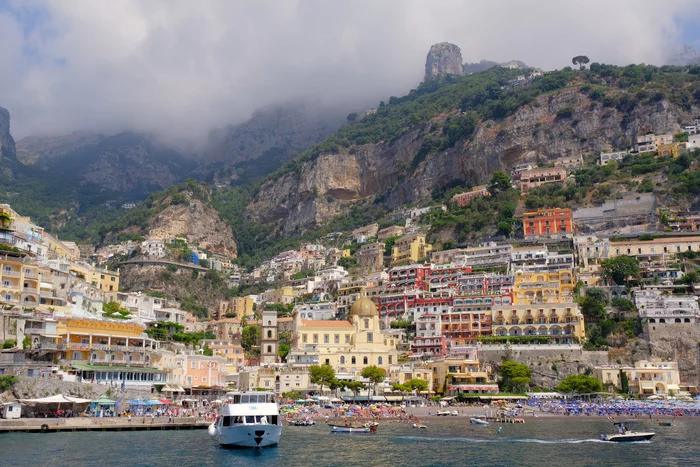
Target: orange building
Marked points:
550	221
462	199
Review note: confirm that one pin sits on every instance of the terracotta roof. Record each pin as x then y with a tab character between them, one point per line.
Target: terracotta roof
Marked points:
325	323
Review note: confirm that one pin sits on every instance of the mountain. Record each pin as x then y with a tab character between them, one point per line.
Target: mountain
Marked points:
445	58
129	163
456	131
243	153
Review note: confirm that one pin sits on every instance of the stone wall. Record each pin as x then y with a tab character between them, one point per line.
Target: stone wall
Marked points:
679	343
34	388
549	364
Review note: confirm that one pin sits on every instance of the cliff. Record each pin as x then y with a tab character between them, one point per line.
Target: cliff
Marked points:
8	152
199	223
555	124
443	59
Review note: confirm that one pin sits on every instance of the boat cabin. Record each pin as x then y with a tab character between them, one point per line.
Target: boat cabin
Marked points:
249	408
250	398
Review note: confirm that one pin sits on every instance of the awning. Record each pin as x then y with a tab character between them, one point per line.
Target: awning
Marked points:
169	388
57	399
672	387
646	384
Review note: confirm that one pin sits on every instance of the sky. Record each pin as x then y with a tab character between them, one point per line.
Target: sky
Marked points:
178	68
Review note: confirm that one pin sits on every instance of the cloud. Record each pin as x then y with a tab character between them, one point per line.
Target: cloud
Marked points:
179	68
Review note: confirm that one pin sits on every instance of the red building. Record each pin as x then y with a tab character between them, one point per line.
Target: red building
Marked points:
550	221
462	199
428	347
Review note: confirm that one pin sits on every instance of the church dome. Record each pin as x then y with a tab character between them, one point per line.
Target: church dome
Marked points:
363	307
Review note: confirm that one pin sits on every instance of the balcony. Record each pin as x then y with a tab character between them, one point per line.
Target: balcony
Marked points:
7	273
31	275
76	346
29	289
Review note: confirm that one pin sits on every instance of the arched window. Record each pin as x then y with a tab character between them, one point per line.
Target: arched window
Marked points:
353	360
366	324
342	360
269	334
379	360
364	361
269	349
269	323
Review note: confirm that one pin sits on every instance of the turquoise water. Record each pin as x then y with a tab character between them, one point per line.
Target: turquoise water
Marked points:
569	442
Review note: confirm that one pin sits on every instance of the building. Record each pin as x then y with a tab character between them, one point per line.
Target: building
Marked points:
668	149
656	252
536	177
462	199
370	258
391	231
645	378
458	375
551	221
268	340
20	280
561	322
685	222
543	287
608	157
570	162
238	306
410	249
154	247
201	371
489	254
658	308
317	310
347	345
368	231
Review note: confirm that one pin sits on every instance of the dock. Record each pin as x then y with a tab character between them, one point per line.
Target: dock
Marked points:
59	425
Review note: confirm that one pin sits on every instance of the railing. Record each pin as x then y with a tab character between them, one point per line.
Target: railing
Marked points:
77	345
31	275
29	289
6	273
100	347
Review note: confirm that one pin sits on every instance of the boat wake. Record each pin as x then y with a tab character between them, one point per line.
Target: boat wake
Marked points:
505	440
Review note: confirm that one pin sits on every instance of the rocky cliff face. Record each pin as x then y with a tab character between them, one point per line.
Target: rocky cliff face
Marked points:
199	223
443	59
40	150
8	152
324	186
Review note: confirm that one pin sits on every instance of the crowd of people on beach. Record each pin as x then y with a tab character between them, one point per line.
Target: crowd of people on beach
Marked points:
612	409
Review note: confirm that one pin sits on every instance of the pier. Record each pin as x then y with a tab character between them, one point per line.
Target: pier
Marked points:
56	425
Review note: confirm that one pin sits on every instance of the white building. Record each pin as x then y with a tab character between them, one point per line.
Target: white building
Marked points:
317	311
608	157
667	309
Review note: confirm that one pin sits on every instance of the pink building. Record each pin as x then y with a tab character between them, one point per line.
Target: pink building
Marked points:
536	177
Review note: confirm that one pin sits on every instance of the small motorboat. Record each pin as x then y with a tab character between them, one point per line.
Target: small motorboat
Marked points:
478	421
418	425
626	435
665	424
301	422
443	413
369	427
454	413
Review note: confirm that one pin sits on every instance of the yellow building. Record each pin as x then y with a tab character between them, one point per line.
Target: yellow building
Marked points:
348	346
56	249
283	295
102	279
410	249
645	378
20	281
543	287
456	375
561	322
110	351
403	374
668	149
240	306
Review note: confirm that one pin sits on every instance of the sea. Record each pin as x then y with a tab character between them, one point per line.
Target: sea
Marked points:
446	442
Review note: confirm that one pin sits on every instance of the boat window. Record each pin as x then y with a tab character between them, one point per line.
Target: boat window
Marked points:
227	420
237	399
245	399
274	420
250	419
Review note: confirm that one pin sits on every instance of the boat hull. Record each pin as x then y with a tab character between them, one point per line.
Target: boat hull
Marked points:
249	436
349	429
478	421
628	437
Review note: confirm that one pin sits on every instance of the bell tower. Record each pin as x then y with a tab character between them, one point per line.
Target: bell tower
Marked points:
269	347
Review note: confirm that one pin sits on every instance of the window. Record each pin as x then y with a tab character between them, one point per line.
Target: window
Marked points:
353	360
342	360
326	339
347	338
336	338
379	360
303	338
269	349
370	337
193	365
365	360
269	334
204	379
315	338
366	324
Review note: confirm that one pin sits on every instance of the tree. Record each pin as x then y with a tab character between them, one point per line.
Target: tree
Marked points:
580	60
284	351
581	384
250	337
337	384
355	387
9	344
323	375
620	268
292	395
515	377
417	384
500	182
207	351
352	116
7	381
624	382
347	262
375	375
598	294
592	309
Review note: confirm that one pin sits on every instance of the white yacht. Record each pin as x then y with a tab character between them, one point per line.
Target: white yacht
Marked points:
248	419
